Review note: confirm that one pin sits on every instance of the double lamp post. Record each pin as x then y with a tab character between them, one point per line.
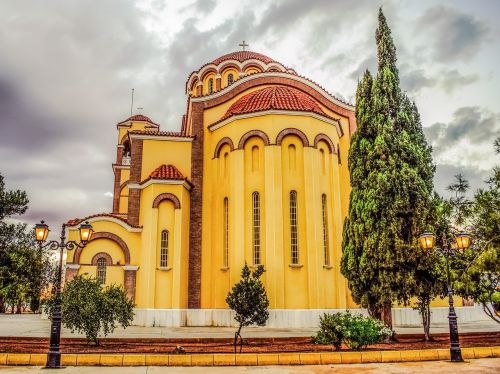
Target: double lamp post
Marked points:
41	233
462	241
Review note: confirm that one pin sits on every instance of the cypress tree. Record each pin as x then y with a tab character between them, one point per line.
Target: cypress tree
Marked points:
391	172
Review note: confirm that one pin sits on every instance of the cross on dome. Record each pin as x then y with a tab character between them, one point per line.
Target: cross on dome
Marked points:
243	45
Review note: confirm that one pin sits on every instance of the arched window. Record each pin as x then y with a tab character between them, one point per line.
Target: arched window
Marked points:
325	230
226	232
230	79
292	157
256	228
294	239
164	249
255	158
226	164
323	160
126	153
210	86
101	270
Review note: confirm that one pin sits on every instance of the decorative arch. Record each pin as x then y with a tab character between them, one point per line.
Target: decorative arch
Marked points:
124	138
194	83
229	65
208	72
252	133
166	196
290	131
225	140
124	184
326	139
105	235
106	256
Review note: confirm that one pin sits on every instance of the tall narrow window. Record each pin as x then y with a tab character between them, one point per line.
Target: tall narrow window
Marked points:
325	230
323	160
226	232
256	228
292	156
294	240
255	158
210	86
101	270
230	79
226	164
164	249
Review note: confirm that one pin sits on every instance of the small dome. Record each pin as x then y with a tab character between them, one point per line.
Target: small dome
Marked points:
138	118
274	98
243	56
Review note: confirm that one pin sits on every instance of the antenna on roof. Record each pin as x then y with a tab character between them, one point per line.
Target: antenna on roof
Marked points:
132	103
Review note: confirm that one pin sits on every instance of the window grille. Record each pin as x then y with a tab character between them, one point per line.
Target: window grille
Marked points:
210	86
164	249
325	230
294	241
256	228
226	232
230	79
101	270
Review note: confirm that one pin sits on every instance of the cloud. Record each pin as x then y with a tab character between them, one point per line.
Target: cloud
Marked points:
445	175
414	80
452	80
452	35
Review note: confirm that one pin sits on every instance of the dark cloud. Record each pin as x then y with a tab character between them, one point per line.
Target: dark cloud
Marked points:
452	80
369	63
414	80
451	34
472	123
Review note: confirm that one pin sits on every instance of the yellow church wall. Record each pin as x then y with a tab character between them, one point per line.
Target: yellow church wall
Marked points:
314	286
114	274
125	175
252	70
158	152
124	128
163	288
206	79
123	203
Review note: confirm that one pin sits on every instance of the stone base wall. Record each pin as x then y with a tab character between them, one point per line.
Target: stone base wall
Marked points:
290	318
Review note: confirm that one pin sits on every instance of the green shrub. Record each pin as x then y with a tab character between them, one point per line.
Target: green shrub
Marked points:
355	330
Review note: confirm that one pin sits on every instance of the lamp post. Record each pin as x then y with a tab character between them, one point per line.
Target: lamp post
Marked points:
462	240
41	233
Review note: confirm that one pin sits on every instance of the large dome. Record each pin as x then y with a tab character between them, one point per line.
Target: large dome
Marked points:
274	98
243	56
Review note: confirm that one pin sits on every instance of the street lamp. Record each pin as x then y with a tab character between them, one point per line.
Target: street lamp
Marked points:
41	233
462	241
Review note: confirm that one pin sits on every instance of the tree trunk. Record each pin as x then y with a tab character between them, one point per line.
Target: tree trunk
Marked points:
2	305
374	312
386	315
236	335
19	307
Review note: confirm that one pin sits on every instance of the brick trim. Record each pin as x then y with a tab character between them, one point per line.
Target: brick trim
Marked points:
291	131
195	214
326	139
134	197
106	256
252	133
338	154
124	184
225	140
167	196
105	235
130	283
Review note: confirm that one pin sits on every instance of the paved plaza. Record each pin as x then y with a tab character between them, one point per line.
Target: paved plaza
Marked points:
480	366
32	325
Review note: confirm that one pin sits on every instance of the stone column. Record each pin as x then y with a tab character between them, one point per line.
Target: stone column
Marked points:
129	281
199	89
71	272
218	82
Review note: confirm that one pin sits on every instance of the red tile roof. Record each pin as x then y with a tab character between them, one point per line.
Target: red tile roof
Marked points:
243	56
274	98
138	118
166	172
159	133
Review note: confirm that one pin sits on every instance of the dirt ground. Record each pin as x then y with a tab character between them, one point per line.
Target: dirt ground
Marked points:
253	345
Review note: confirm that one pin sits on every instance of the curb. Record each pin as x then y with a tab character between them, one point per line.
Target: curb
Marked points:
246	359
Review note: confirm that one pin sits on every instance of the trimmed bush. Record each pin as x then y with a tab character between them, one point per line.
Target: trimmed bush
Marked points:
355	330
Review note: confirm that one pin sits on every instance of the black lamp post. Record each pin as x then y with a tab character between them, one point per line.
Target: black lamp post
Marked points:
427	241
41	232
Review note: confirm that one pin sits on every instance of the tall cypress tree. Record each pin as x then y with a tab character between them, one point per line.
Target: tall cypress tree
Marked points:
391	174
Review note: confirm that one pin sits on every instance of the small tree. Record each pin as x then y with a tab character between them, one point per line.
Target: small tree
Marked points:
248	299
88	308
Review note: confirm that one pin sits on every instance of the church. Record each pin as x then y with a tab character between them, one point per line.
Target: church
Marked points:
256	174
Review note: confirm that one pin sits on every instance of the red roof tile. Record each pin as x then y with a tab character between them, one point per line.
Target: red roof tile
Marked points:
159	133
138	118
243	56
274	98
166	172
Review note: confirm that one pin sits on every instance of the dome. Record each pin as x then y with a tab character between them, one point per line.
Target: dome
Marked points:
138	118
275	98
242	56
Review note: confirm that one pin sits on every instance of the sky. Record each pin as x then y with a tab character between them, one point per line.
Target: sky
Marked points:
67	68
